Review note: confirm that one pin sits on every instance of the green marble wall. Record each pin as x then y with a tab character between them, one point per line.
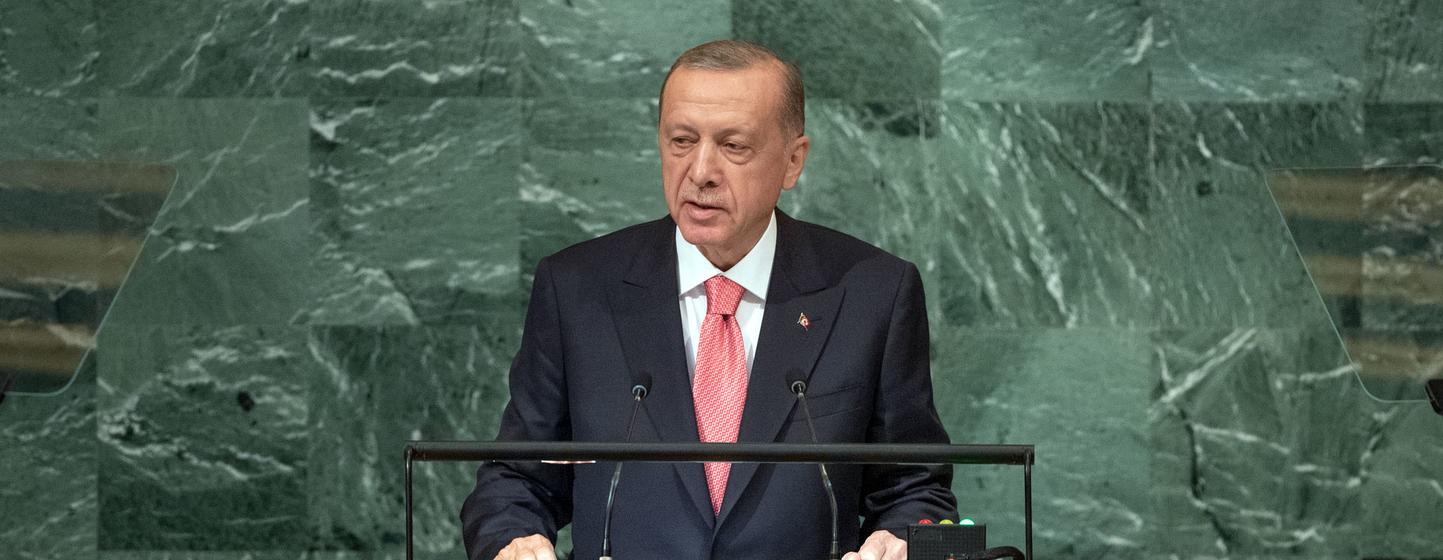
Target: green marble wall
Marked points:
365	186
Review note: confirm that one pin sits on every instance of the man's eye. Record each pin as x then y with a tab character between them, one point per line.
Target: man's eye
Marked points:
682	142
735	147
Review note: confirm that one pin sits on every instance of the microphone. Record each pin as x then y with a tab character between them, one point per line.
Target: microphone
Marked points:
797	382
641	385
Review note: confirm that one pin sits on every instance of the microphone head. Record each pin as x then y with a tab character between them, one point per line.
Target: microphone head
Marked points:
797	381
641	384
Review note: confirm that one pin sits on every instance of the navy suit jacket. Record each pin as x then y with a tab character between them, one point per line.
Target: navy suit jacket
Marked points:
604	309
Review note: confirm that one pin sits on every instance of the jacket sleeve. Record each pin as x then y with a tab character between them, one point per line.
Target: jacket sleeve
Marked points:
894	496
522	498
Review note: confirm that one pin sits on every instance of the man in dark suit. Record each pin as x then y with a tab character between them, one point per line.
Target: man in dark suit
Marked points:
718	303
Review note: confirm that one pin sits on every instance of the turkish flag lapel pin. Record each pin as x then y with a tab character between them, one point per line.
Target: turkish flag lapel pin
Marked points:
804	321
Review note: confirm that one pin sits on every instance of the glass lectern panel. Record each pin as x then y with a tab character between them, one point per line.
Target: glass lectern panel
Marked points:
1372	241
69	233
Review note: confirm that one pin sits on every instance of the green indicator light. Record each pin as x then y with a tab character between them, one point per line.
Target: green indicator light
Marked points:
966	521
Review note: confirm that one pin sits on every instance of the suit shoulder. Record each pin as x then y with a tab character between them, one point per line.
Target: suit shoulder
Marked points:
842	250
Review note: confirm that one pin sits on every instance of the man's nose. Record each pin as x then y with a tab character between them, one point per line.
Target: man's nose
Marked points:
705	171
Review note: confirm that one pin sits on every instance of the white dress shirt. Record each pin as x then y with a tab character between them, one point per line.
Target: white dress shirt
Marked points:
753	273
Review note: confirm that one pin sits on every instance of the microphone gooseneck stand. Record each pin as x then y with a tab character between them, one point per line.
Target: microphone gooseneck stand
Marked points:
638	392
799	388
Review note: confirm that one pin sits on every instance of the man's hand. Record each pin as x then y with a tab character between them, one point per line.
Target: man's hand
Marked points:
534	547
882	545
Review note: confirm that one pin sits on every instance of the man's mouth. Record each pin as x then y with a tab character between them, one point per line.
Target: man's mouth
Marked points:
700	211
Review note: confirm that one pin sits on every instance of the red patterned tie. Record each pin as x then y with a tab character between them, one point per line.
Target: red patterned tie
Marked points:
719	390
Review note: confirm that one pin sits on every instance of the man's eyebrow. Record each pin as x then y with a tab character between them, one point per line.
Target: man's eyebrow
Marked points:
738	130
729	131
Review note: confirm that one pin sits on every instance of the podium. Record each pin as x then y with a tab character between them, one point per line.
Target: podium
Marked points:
848	453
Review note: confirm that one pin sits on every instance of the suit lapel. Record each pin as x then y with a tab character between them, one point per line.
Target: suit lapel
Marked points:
796	288
648	322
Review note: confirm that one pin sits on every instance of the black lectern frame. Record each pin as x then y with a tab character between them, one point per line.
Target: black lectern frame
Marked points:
850	453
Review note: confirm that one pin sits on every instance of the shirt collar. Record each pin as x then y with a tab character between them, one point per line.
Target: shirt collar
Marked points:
753	272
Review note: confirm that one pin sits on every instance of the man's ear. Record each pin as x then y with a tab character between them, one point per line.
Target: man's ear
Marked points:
796	160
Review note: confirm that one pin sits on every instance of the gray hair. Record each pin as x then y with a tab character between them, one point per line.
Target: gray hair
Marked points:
729	54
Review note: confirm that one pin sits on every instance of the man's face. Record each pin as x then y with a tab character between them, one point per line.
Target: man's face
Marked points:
725	158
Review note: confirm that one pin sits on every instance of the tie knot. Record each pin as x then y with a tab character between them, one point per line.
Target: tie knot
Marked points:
722	295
